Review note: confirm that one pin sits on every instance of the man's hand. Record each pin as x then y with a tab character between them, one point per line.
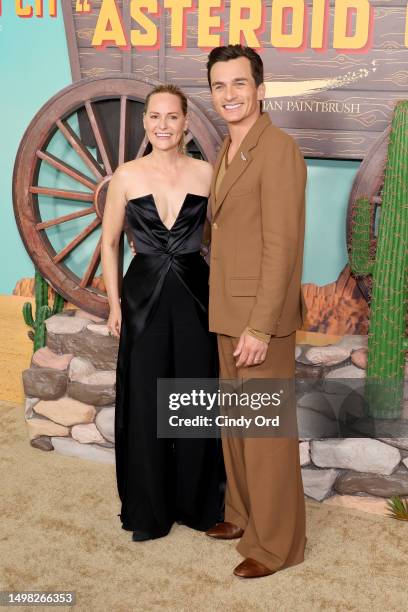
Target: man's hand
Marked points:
250	351
132	247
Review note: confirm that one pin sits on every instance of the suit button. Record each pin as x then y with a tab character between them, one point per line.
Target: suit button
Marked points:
215	226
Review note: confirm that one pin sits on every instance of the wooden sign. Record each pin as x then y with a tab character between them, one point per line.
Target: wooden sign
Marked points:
333	68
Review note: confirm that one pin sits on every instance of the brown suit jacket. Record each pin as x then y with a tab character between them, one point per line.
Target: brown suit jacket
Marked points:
258	222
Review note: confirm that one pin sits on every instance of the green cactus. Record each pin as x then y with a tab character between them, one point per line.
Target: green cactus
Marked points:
42	311
387	341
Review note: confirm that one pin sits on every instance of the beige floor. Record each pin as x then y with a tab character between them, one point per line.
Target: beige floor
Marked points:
60	531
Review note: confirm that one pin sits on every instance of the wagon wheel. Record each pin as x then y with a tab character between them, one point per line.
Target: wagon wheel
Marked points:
369	183
62	170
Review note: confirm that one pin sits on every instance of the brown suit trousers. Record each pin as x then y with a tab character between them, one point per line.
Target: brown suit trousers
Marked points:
264	494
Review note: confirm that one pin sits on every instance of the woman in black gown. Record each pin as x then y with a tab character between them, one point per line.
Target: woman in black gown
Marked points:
162	322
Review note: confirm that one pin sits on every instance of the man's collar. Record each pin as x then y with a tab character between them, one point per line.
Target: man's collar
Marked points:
251	139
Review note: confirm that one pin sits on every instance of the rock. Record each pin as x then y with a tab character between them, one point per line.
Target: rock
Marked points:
86	434
405	462
44	427
373	484
321	403
106	444
62	324
66	411
97	395
401	443
304	453
44	383
87	315
101	351
381	428
317	484
350	371
356	502
98	329
43	443
308	371
359	454
72	448
359	358
298	352
105	422
45	358
327	355
79	368
29	404
352	342
312	425
100	377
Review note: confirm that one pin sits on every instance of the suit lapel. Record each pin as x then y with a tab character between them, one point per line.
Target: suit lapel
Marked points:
239	164
218	161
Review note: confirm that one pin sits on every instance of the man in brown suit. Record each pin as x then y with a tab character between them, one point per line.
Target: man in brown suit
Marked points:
258	216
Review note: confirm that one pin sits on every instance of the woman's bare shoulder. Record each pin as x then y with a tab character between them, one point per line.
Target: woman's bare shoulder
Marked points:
203	170
129	169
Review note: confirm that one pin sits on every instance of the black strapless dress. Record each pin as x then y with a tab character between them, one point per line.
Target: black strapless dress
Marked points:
164	334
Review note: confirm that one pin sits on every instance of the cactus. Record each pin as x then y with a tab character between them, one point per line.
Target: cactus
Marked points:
42	311
387	341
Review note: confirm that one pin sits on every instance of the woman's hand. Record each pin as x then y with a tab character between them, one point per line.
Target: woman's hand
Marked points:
115	322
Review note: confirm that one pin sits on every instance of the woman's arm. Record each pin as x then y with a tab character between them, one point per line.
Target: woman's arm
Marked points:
112	225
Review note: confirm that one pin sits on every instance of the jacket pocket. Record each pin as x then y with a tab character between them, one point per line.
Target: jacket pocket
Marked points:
240	286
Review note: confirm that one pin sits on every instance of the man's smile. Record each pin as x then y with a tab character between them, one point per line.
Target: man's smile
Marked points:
234	106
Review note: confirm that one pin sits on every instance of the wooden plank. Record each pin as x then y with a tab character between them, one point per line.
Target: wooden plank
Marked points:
371	114
95	63
162	46
70	32
378	70
126	57
334	144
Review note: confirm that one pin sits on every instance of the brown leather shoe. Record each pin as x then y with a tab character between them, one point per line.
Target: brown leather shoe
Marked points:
249	568
225	531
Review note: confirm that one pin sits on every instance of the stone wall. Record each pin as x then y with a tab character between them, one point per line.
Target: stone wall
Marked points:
70	396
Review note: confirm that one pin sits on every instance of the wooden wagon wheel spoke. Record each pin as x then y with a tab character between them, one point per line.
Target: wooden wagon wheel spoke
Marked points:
142	148
188	137
99	137
93	265
368	183
82	151
122	130
79	196
85	232
58	164
64	218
